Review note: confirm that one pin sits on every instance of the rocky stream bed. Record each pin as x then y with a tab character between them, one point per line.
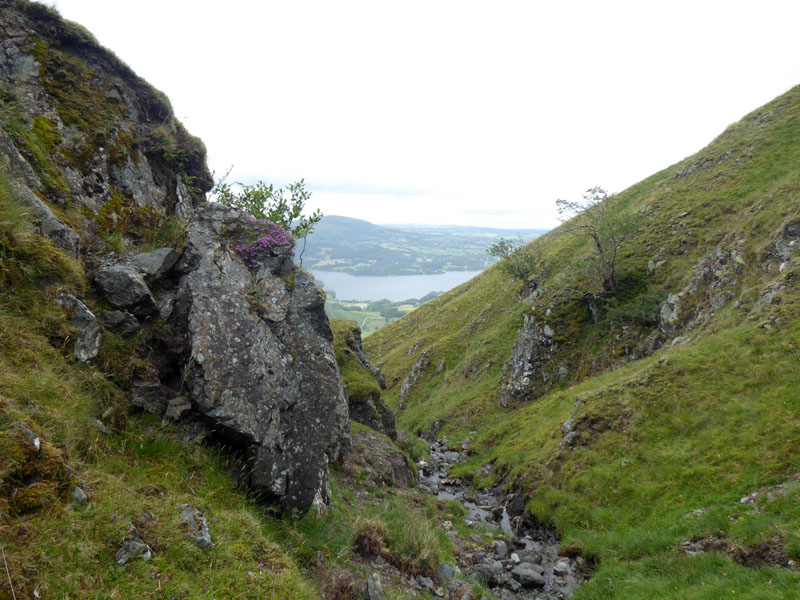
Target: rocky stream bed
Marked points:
513	556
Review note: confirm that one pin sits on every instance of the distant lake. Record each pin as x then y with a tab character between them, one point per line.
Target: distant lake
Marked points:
394	288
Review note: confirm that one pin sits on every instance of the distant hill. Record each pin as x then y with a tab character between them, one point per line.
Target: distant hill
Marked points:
363	248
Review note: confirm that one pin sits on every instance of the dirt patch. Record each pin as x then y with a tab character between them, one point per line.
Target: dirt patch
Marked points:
767	553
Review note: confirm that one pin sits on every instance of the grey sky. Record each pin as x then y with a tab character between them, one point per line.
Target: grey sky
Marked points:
474	113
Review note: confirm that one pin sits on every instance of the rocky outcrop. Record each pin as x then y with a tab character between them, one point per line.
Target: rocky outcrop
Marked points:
259	364
80	129
88	344
245	352
363	383
417	371
356	347
526	371
50	225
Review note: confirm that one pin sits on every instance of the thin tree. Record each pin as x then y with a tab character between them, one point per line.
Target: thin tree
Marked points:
608	229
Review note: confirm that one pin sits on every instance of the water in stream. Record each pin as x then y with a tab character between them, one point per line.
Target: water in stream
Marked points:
526	563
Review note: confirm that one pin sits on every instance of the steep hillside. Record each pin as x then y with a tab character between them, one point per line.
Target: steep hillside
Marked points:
635	422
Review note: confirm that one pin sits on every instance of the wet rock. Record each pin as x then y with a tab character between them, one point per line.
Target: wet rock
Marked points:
156	264
124	288
120	322
88	344
133	547
374	589
529	575
195	527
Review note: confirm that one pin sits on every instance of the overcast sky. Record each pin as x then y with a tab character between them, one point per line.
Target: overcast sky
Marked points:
472	113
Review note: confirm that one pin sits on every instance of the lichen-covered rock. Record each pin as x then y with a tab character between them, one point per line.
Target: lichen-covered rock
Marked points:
195	527
259	362
526	371
88	344
133	547
80	127
125	288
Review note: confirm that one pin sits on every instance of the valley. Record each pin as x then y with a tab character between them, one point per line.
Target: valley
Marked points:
609	411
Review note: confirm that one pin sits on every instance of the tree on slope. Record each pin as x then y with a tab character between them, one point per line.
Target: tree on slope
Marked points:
608	230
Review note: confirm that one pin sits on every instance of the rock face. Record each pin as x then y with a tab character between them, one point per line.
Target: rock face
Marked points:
527	366
258	362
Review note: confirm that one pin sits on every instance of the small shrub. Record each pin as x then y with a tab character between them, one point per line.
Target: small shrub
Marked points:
259	238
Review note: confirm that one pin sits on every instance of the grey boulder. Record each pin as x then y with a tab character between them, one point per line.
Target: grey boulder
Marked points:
133	547
529	575
260	367
374	589
125	288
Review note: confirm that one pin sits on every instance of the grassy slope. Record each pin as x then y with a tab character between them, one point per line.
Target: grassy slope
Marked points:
702	424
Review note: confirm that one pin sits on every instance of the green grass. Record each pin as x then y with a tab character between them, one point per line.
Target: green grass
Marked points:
694	427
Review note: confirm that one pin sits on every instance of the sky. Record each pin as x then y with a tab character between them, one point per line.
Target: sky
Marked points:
452	112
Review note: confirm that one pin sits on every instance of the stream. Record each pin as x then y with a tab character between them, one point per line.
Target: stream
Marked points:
516	557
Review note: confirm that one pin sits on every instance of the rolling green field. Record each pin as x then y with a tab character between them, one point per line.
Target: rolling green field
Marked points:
362	248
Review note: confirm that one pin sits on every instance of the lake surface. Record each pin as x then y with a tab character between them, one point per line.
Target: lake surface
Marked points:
394	288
